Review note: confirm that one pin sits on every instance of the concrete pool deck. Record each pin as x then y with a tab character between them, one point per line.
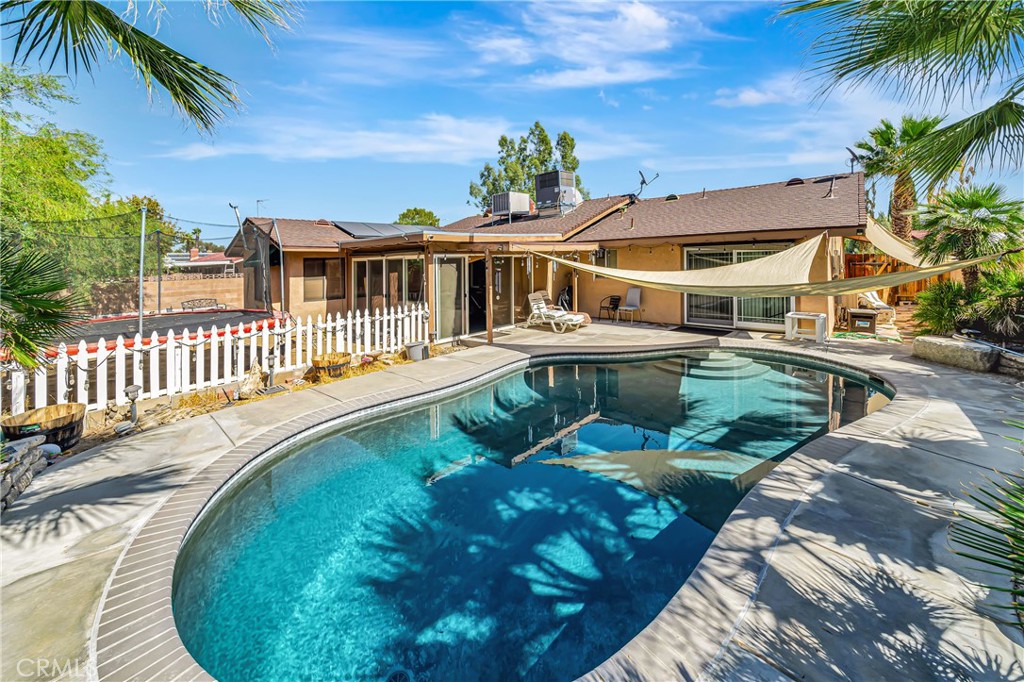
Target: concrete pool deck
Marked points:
835	566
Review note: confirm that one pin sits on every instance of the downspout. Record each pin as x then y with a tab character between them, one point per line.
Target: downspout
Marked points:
280	250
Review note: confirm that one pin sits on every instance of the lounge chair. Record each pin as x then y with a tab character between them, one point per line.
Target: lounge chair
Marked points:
543	311
632	305
871	299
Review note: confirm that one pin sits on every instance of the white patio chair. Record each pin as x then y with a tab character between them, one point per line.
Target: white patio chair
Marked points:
871	299
542	312
632	305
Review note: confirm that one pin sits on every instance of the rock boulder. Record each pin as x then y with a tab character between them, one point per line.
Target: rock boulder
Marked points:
964	354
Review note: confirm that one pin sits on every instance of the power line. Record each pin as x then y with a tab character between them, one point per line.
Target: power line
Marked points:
199	222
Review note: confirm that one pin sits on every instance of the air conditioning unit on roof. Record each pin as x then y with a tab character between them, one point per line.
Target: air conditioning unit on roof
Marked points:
557	189
510	203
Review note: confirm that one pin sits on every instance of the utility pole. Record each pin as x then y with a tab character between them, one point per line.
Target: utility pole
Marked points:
142	265
159	273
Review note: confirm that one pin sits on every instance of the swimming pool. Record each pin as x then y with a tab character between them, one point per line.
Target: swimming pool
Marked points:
524	530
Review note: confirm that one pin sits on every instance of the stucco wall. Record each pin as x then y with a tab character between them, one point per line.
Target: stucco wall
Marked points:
293	282
656	306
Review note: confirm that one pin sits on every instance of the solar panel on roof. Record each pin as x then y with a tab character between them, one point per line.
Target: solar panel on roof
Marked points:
377	230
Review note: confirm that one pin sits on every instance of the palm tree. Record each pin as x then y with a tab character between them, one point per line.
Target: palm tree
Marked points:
35	307
968	222
885	156
197	234
927	50
81	32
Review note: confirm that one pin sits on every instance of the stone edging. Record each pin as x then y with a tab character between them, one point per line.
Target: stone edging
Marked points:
135	636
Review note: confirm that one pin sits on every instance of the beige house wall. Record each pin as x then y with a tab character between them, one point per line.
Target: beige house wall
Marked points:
294	301
665	307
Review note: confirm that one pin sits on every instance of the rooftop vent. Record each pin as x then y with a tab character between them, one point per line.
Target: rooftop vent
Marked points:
510	204
557	190
672	197
794	181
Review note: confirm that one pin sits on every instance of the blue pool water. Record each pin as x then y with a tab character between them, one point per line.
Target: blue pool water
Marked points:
525	530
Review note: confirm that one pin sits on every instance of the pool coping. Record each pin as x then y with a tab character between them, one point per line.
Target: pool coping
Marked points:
135	637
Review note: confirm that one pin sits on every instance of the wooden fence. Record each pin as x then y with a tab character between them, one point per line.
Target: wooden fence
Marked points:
183	362
867	264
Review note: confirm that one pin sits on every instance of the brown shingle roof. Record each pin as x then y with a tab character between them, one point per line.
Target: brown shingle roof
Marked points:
297	234
774	206
556	224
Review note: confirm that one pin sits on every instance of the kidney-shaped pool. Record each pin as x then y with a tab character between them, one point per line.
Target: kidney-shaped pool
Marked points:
524	530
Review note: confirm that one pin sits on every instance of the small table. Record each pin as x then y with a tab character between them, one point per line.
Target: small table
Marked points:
793	330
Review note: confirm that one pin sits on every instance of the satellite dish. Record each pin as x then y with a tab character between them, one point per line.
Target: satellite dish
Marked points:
854	158
644	181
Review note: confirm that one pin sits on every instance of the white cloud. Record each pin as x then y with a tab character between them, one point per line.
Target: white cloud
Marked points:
782	88
610	101
599	75
576	45
595	142
433	138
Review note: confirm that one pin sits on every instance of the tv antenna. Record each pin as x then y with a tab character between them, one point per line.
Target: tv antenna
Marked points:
853	160
644	181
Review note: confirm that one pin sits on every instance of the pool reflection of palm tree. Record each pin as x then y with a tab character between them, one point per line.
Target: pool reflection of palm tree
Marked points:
483	592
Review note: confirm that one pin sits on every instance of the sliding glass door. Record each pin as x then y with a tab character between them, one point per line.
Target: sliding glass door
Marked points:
450	306
726	311
704	309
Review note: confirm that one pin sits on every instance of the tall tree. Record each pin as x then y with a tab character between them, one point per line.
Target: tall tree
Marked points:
418	216
927	50
968	222
884	155
48	173
519	161
82	32
197	236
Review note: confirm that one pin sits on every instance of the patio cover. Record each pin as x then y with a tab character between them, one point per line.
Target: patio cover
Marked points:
786	273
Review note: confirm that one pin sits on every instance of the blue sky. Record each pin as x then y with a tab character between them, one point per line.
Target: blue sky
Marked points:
368	108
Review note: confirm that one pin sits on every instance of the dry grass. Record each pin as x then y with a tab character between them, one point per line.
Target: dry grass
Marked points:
214	399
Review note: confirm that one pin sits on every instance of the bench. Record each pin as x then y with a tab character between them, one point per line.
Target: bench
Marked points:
200	304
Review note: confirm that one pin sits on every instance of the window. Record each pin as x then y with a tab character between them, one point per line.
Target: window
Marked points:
610	259
322	279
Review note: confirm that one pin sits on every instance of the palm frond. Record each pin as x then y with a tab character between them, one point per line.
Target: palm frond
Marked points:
35	305
995	134
79	33
917	49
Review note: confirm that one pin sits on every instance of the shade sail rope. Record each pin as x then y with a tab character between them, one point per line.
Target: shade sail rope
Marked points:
724	280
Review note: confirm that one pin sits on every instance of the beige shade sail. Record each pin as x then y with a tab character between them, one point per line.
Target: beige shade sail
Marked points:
891	245
786	273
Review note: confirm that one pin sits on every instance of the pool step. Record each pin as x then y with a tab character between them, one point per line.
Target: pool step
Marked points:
723	365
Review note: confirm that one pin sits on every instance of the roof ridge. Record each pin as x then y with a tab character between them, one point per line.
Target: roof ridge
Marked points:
760	184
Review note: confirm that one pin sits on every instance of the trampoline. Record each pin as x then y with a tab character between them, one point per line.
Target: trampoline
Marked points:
110	328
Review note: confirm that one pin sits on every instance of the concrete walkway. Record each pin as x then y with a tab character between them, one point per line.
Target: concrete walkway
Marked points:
834	567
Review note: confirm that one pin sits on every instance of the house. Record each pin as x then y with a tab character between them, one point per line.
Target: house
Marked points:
201	263
481	268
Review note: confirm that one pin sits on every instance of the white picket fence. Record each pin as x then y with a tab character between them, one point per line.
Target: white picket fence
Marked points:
192	361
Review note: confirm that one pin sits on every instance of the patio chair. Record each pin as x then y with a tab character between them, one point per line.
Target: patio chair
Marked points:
543	311
610	305
871	299
632	304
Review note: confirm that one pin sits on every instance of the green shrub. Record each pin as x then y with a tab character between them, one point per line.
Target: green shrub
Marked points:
1001	302
942	306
